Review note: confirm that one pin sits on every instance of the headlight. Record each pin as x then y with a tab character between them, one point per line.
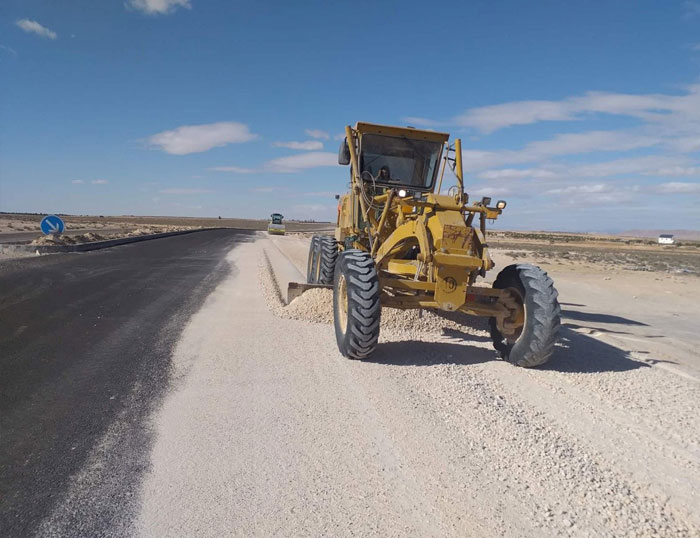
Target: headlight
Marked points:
402	193
501	204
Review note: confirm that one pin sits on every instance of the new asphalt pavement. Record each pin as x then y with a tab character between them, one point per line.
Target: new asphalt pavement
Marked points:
85	341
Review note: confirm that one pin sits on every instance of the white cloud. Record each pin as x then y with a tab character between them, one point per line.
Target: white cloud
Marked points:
301	161
339	136
517	173
678	171
652	165
691	9
290	164
685	144
581	189
648	107
586	195
33	27
262	189
678	188
180	191
199	138
423	122
314	209
94	181
489	191
586	142
157	7
233	169
491	118
320	194
317	133
308	145
563	144
9	50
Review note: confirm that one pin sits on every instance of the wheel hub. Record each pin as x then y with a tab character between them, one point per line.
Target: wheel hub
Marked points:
511	326
342	299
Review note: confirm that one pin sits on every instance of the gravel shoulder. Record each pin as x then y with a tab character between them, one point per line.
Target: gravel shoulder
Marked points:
268	431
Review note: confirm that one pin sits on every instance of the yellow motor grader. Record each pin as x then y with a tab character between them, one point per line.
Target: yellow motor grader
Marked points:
400	243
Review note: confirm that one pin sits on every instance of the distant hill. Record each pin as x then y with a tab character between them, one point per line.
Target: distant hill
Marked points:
688	235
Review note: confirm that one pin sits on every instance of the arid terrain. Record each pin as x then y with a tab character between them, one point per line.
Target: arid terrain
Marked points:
22	222
239	417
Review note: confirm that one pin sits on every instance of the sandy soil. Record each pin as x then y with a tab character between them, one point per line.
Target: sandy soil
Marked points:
270	432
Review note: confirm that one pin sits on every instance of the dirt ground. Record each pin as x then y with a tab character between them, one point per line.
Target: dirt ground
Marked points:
610	427
609	252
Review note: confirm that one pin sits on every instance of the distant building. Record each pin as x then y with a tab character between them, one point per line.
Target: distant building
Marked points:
666	239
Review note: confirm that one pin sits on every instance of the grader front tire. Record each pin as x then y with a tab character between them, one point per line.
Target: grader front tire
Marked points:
533	343
312	262
356	306
327	257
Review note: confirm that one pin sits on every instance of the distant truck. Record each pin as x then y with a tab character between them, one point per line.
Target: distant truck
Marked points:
666	239
276	225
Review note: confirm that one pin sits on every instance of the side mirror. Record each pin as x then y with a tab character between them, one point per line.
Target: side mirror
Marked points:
337	196
344	153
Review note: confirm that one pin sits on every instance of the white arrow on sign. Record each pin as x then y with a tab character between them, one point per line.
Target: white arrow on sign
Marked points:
53	227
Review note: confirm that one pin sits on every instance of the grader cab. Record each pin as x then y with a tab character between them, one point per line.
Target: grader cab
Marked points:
400	243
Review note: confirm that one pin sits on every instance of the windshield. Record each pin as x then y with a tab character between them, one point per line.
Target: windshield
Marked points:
400	161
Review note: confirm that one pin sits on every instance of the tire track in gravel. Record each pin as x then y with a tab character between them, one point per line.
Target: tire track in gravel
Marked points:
542	474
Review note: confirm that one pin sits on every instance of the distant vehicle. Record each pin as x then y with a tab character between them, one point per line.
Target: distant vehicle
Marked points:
666	239
276	225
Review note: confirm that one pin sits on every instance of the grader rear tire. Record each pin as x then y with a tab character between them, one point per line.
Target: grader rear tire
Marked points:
312	263
356	306
328	255
534	344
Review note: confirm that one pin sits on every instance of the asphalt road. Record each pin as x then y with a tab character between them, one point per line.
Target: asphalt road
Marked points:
85	342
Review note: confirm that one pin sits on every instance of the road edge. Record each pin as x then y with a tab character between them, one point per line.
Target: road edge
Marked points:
95	245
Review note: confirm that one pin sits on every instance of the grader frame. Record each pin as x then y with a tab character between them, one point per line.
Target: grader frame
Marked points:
451	253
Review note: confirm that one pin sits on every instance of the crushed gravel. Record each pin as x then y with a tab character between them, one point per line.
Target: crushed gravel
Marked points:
316	306
273	433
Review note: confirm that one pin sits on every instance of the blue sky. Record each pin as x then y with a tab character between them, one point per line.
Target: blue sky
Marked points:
583	115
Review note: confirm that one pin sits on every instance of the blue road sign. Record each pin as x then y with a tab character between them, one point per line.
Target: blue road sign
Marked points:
51	224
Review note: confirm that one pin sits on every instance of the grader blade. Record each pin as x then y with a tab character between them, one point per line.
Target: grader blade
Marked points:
295	289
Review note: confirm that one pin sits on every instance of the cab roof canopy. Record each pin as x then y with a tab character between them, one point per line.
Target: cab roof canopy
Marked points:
406	132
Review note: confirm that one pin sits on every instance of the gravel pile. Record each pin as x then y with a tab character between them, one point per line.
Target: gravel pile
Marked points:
316	306
53	239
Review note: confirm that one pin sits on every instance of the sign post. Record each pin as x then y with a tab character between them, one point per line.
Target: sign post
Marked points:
51	224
